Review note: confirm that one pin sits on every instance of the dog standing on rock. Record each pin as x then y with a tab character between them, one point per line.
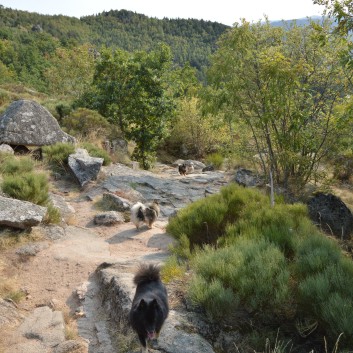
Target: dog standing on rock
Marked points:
142	214
150	305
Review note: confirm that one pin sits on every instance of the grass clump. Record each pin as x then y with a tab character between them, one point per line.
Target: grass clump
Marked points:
58	153
172	269
95	151
27	187
53	215
16	166
215	159
253	270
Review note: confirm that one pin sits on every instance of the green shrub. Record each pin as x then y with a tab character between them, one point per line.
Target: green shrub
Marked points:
16	166
58	154
215	159
328	295
83	122
254	270
314	254
53	215
172	269
27	187
202	221
95	151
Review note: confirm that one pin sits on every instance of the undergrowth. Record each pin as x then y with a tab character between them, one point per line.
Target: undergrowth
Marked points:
271	261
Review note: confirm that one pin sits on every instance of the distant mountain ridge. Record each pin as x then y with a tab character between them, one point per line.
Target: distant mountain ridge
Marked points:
27	38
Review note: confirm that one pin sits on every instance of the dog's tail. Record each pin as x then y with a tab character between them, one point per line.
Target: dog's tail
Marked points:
147	273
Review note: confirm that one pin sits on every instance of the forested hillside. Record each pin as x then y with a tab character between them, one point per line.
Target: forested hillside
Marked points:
27	39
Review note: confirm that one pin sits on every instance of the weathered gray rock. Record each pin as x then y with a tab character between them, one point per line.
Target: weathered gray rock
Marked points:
20	214
5	148
44	325
66	210
115	202
208	168
108	218
50	231
71	346
331	214
247	178
84	167
26	122
9	315
31	249
173	340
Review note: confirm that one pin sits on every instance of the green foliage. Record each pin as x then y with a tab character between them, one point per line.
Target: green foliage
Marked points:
131	93
191	130
51	52
172	269
265	259
215	159
253	270
58	154
283	93
314	253
53	215
328	296
31	187
213	296
202	221
16	166
85	123
95	151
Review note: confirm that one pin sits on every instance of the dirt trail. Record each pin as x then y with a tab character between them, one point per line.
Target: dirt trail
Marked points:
54	274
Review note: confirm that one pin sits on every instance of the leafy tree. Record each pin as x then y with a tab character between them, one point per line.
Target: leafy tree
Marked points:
284	84
342	10
132	92
71	71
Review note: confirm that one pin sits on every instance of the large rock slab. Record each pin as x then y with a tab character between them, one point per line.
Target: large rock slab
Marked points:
26	122
44	325
84	167
20	214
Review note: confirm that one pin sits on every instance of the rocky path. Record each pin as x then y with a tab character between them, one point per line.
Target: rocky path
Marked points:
60	281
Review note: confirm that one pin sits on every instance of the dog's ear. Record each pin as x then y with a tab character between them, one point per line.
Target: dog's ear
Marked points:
142	304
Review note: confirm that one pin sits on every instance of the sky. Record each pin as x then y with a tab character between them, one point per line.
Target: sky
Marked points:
224	11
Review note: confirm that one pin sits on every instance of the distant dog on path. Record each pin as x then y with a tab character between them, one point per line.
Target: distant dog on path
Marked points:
182	169
142	214
150	305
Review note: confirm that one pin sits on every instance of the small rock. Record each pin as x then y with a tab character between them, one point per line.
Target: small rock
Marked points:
109	218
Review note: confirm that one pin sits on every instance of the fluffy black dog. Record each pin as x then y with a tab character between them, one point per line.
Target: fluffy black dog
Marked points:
182	169
149	306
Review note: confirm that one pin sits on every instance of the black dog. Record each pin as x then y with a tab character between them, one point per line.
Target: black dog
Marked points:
182	169
149	306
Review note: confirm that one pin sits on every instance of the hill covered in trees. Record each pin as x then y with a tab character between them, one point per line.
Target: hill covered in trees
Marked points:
28	39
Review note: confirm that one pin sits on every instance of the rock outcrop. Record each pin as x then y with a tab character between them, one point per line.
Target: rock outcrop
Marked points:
247	178
108	218
331	214
26	122
20	214
84	167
